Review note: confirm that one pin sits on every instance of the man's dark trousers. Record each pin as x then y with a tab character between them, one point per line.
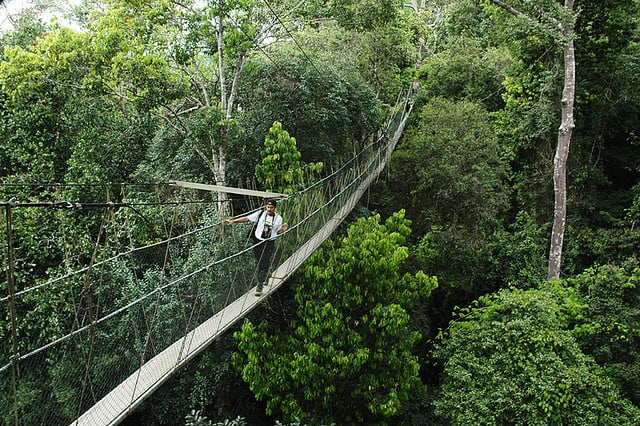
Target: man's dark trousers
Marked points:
263	253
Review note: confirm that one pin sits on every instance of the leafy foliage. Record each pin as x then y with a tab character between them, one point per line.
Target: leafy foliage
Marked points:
449	186
362	15
141	94
281	169
195	418
27	29
347	357
511	359
329	112
466	71
612	331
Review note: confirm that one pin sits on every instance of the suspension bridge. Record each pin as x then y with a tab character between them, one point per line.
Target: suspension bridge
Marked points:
86	345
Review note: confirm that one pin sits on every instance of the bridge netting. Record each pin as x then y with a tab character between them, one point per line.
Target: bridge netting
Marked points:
87	340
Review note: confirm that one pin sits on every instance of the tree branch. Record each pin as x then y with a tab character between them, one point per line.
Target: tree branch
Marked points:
512	10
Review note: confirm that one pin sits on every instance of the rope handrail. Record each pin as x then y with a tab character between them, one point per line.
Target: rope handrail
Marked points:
166	299
168	240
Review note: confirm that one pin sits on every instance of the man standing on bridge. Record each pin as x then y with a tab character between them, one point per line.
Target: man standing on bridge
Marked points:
267	226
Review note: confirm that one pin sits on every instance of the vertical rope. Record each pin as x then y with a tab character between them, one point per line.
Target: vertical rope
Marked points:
15	370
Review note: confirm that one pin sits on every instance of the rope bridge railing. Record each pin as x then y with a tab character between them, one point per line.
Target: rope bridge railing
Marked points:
123	310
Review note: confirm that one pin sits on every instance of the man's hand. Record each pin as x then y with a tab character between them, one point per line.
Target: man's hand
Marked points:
283	228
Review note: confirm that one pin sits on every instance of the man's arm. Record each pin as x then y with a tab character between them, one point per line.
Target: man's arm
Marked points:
237	220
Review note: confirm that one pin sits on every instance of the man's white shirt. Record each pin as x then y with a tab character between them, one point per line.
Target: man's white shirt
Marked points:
264	220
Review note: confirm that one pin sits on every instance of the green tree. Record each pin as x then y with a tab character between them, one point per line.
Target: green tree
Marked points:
26	29
281	168
37	85
356	16
466	70
330	111
559	23
379	38
605	81
455	199
449	186
605	155
612	330
511	358
347	357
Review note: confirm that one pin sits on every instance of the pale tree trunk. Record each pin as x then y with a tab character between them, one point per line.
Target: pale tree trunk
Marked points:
562	153
564	134
419	6
221	70
218	157
228	93
228	104
214	155
227	100
242	60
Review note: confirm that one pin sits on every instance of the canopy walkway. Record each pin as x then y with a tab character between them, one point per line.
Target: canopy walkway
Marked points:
128	319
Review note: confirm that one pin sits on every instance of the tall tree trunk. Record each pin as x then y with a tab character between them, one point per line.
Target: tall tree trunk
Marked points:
565	130
562	152
218	154
221	70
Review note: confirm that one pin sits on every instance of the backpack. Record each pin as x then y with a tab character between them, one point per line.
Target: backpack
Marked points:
252	232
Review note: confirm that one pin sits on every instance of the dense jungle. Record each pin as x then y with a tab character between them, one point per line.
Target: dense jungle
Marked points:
490	276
